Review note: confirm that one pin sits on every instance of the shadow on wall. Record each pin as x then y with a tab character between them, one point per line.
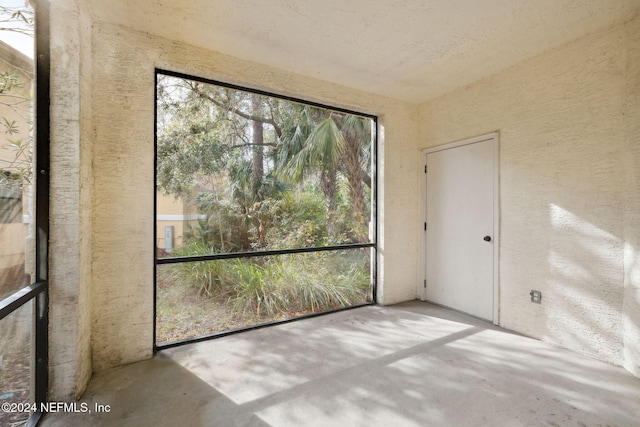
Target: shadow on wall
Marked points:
562	228
584	295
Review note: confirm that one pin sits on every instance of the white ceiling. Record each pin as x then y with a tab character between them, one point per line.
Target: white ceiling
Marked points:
412	50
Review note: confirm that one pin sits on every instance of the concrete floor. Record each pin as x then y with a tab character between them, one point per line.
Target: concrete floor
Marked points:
411	364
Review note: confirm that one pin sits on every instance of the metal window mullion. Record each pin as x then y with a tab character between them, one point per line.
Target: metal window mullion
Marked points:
42	183
155	207
262	93
374	202
42	138
20	298
41	320
235	255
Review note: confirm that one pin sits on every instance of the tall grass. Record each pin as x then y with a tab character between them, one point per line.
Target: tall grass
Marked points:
318	282
207	277
253	289
284	285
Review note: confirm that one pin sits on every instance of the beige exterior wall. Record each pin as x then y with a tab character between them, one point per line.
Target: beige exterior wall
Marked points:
174	212
569	188
13	236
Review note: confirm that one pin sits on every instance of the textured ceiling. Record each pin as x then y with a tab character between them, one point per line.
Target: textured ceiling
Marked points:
412	50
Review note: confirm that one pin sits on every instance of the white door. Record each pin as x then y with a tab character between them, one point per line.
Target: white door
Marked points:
460	222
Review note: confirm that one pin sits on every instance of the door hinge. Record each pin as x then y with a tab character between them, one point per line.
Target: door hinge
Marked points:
425	168
425	283
425	226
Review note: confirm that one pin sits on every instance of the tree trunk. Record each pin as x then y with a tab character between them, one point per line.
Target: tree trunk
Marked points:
329	186
353	172
257	168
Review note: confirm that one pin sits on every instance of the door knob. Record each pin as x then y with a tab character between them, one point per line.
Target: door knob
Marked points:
487	238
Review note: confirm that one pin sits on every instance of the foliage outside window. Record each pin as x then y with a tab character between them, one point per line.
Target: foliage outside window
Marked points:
10	198
254	173
18	380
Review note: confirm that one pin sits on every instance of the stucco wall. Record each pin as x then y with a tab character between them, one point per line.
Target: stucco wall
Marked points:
123	62
631	224
568	186
70	204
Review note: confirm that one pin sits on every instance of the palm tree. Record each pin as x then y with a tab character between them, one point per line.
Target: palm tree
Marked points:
328	143
356	161
214	128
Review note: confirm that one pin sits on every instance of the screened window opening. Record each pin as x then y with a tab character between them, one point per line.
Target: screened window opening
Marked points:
24	210
265	208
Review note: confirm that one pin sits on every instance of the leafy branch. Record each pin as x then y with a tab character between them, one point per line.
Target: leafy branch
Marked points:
16	169
17	20
198	90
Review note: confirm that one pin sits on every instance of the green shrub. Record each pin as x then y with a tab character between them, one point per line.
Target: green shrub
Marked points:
207	277
299	221
317	282
254	290
284	285
297	283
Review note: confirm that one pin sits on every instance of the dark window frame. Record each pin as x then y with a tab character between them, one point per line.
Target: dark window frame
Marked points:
234	255
39	290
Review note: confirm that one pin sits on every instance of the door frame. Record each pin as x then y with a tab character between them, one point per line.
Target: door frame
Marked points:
493	136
